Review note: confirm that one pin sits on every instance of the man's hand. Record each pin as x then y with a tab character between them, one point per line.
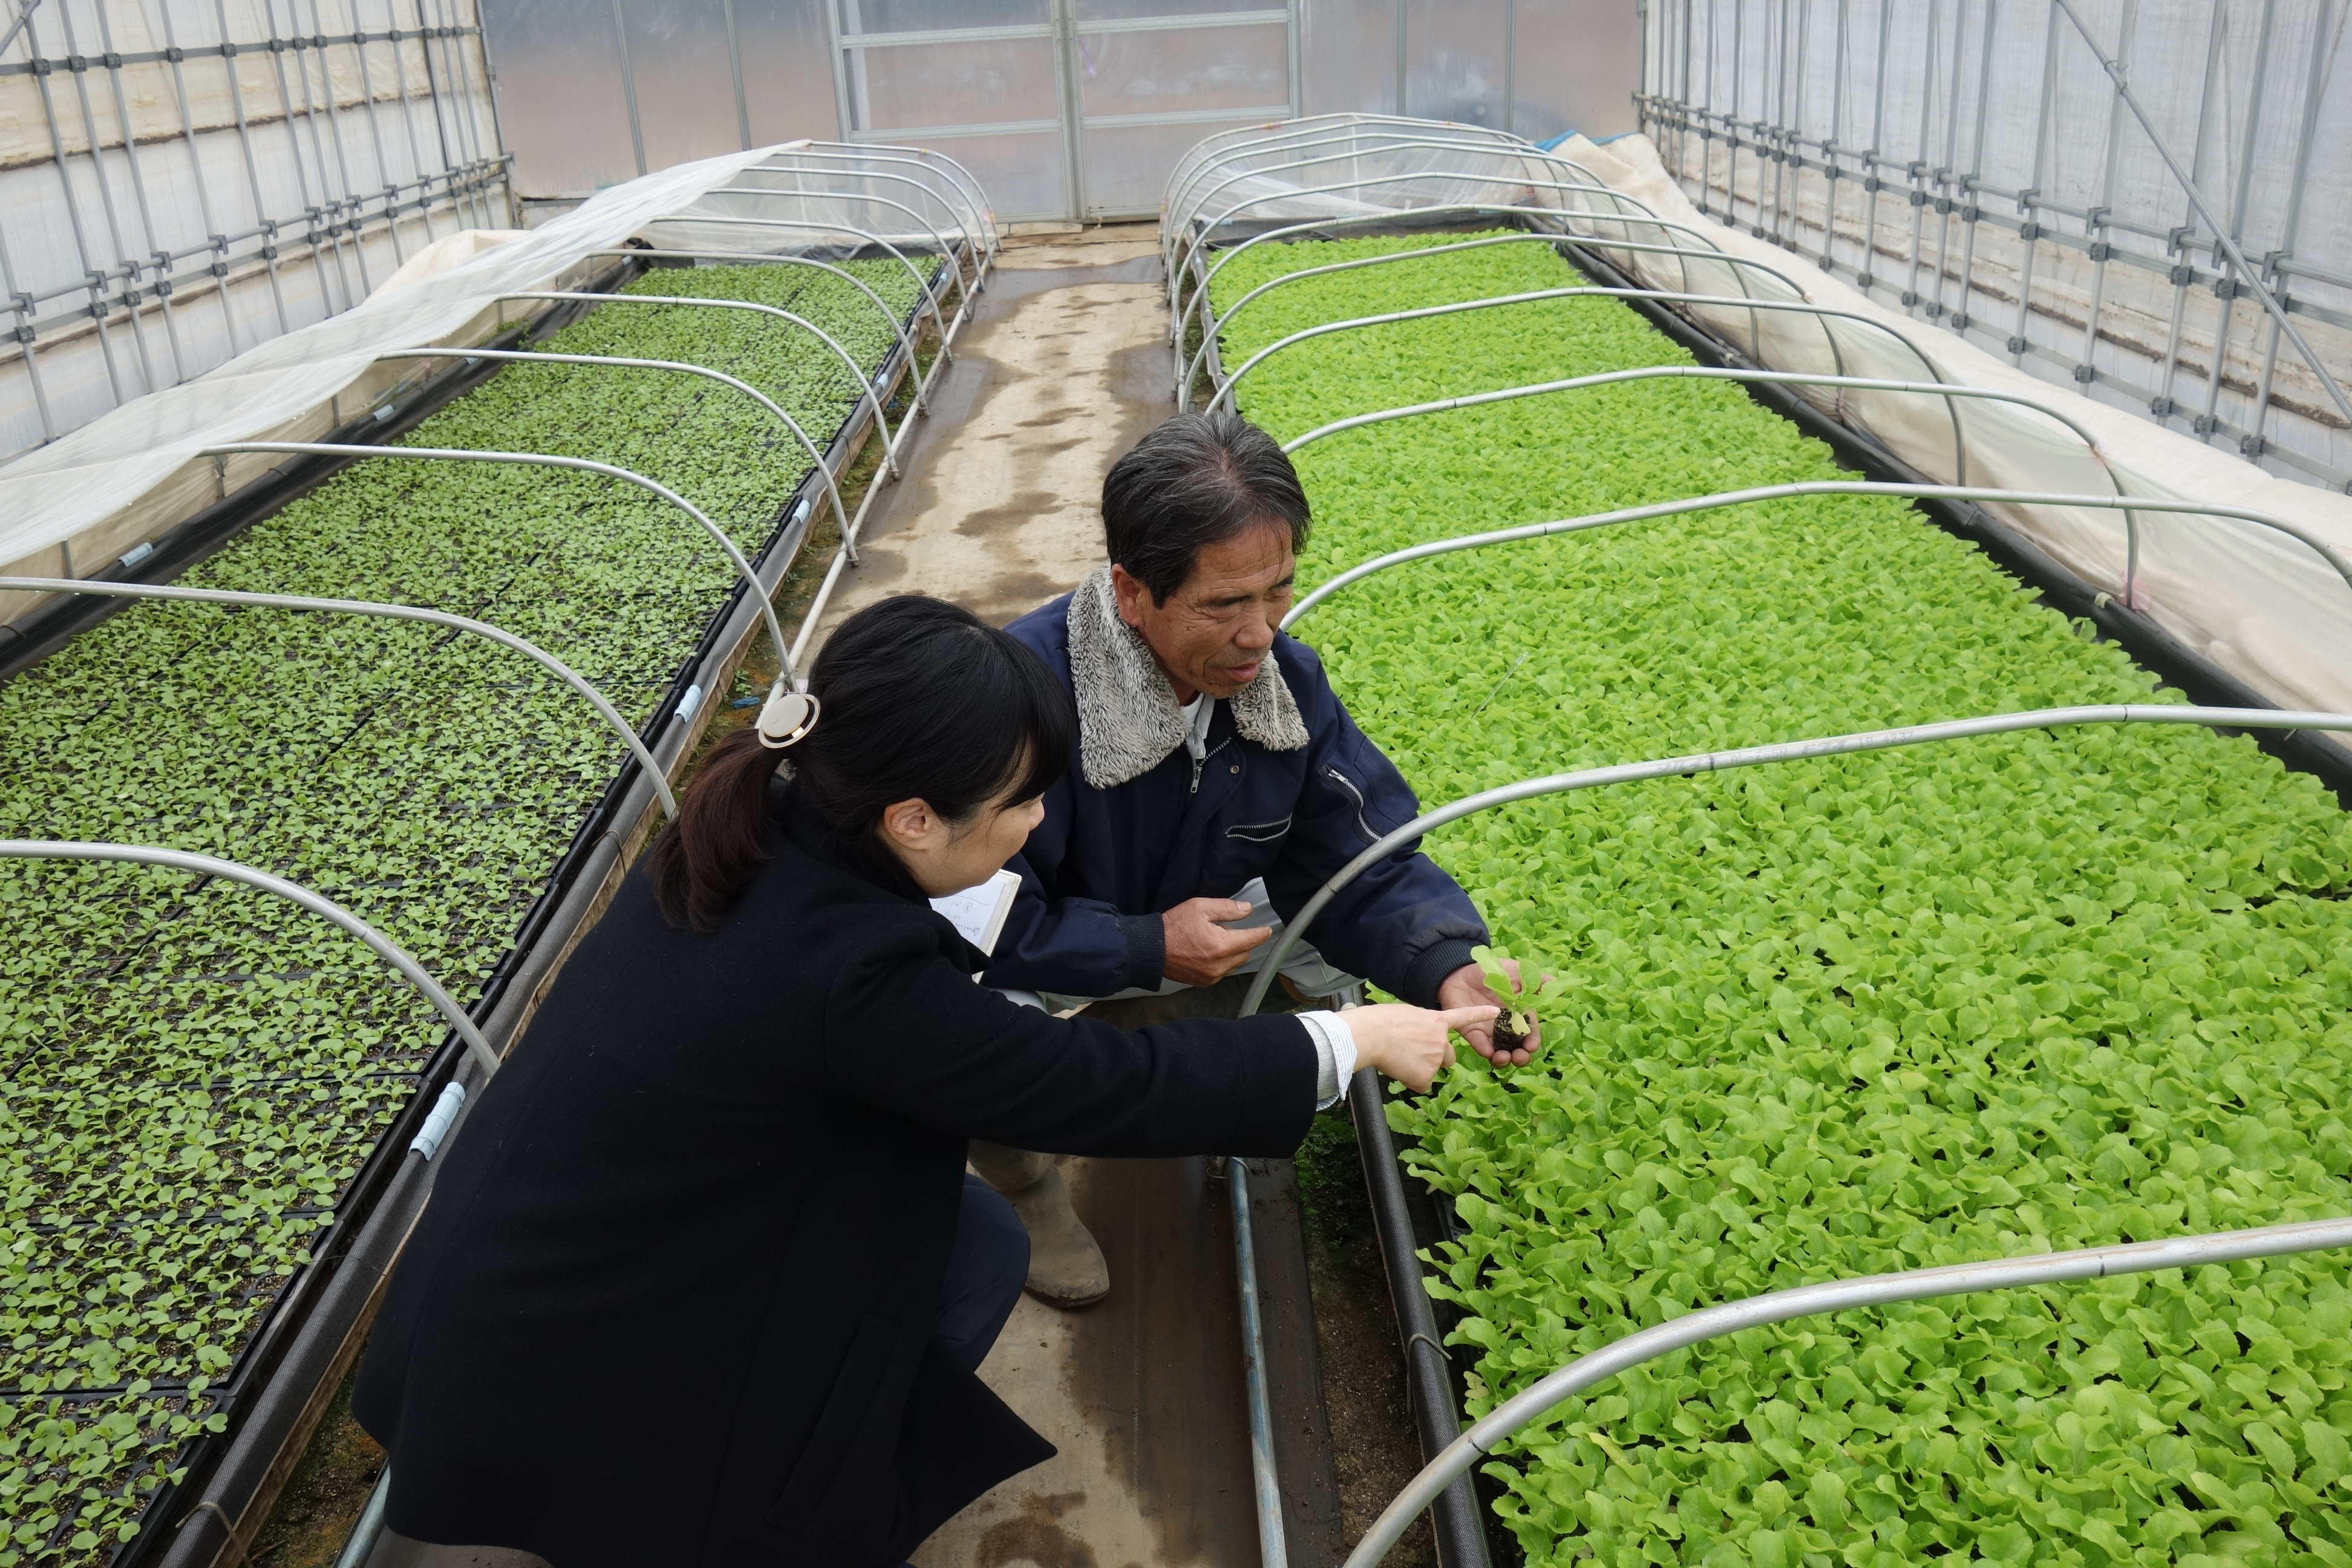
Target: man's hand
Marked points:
1466	987
1200	952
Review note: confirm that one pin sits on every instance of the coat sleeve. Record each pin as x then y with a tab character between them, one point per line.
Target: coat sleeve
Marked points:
1403	925
912	1035
1076	947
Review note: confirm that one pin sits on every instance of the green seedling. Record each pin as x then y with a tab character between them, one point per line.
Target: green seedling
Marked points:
191	1076
1524	998
1838	1019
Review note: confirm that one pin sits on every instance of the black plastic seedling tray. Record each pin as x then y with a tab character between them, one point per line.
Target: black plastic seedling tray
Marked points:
276	1377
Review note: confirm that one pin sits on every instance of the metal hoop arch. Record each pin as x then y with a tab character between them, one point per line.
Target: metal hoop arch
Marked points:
1762	377
857	372
967	184
922	287
1191	373
1197	241
383	947
1226	390
841	514
1755	756
537	460
1353	142
767	258
2127	505
564	672
1479	138
1181	206
1485	1433
1182	317
982	240
947	251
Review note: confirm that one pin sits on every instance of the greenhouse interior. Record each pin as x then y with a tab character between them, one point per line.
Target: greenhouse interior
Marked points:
1588	759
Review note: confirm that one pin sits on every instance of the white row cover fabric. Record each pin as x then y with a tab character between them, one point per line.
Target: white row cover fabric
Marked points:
128	475
2260	604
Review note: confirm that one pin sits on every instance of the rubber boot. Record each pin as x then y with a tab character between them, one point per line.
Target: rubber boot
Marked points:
1065	1267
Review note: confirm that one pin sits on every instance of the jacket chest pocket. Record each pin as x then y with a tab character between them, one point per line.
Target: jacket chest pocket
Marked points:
1259	832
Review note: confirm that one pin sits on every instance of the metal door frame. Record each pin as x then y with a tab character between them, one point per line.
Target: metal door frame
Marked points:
1064	30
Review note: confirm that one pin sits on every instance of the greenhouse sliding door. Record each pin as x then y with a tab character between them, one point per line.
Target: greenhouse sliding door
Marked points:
1062	108
1152	76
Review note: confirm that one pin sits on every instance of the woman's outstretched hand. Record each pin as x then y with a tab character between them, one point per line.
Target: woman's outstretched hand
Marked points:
1409	1044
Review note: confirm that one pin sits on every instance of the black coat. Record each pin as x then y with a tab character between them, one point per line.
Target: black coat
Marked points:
672	1300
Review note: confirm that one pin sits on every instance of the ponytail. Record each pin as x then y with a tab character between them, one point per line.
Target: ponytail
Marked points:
921	701
703	863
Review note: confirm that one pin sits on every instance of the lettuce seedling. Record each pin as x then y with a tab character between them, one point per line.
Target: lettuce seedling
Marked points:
1523	998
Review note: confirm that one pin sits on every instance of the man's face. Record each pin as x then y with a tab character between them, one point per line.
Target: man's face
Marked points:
1213	633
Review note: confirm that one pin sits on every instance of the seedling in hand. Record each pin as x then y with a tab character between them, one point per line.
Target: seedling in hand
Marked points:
1522	998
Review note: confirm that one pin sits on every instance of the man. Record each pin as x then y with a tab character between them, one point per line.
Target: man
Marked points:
1218	783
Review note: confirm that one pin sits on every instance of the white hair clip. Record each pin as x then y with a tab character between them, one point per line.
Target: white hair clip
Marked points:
788	716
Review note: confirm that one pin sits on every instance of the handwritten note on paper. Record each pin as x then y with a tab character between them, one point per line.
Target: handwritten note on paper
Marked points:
979	912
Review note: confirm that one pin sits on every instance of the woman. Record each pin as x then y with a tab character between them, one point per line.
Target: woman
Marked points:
703	1279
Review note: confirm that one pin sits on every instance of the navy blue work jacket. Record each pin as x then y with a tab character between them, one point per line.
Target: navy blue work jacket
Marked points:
1104	864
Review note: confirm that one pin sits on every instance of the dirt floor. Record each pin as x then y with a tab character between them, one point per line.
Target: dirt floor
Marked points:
1373	1448
1063	368
323	1499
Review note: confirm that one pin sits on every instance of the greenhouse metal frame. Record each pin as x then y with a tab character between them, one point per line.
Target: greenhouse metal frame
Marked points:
2093	250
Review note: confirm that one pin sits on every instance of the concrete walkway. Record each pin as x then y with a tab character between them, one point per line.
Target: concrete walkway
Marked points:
1064	367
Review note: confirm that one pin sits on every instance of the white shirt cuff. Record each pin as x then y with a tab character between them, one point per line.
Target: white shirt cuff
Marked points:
1335	1054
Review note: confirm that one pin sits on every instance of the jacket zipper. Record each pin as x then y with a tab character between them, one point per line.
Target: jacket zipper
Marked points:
1348	785
1201	761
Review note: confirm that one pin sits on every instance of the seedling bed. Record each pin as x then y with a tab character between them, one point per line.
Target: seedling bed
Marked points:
193	1059
2020	994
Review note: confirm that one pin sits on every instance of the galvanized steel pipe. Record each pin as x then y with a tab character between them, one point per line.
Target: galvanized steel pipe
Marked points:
1754	756
392	953
1807	1300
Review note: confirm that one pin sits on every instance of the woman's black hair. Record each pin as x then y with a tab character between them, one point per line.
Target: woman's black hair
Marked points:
1197	480
922	699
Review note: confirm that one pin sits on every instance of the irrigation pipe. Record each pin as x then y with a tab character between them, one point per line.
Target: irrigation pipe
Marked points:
1266	1484
1754	756
392	953
1225	392
2127	505
857	372
1215	324
1807	1300
614	362
1947	390
979	237
562	670
767	258
922	285
743	568
967	185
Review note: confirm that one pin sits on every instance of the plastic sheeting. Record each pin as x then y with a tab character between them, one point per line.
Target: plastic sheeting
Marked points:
2000	115
133	473
2261	605
229	199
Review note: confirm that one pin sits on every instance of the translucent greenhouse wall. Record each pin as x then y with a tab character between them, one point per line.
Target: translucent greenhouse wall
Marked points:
1978	166
1064	108
183	180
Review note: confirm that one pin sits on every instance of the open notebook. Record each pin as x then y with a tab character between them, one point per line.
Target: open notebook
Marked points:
979	912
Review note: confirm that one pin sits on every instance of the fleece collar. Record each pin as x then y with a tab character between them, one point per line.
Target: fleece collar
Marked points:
1129	719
